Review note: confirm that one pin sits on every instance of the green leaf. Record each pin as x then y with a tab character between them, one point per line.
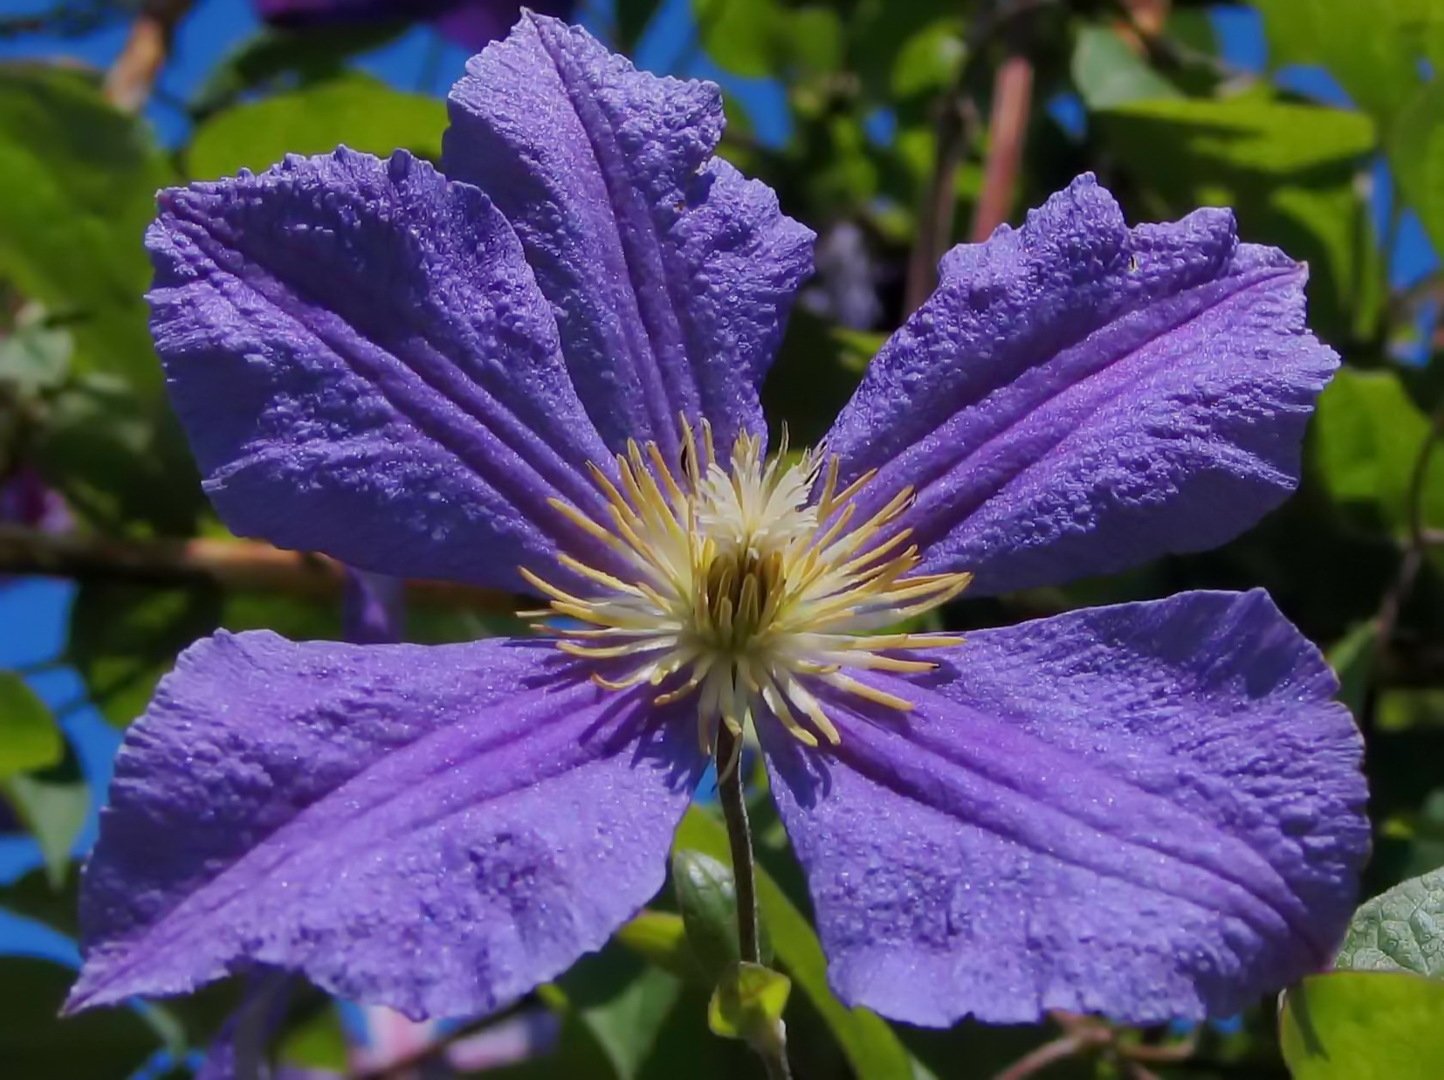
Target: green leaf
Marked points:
1352	659
1416	150
35	1042
611	1005
352	109
53	805
1287	170
813	39
124	637
77	189
1363	1025
317	1042
35	354
739	35
1373	49
118	458
34	896
1399	930
1411	842
660	938
632	19
871	1047
29	738
1107	71
929	60
276	59
748	1003
707	897
1367	436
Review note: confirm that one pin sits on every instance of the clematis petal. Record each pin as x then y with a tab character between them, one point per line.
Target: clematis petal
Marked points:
438	829
365	367
1078	397
671	274
1148	811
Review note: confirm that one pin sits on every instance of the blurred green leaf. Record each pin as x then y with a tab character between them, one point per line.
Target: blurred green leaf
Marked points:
814	39
52	804
930	59
1405	708
1287	170
103	1044
748	1003
739	35
29	738
1352	659
1108	71
276	59
317	1042
34	896
872	1049
1416	150
1410	842
612	1004
119	459
77	189
35	354
124	637
300	618
1367	436
1373	49
880	33
707	898
632	18
813	377
660	938
1399	930
1363	1025
351	109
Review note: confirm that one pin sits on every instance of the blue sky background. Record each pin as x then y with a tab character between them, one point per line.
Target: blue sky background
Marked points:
34	613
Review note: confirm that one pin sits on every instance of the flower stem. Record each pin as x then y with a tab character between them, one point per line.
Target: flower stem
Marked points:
773	1051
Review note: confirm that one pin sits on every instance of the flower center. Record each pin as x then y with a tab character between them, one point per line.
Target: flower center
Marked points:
748	586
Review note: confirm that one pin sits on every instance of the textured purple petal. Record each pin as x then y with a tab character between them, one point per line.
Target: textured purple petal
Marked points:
365	367
1149	811
671	274
1078	397
438	829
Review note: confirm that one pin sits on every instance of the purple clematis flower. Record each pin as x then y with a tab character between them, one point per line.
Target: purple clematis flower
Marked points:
472	23
539	372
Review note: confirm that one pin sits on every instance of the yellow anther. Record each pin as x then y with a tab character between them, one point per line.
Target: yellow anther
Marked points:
739	586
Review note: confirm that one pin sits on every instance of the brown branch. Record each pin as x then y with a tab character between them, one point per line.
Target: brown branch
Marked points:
1078	1041
1083	1034
131	78
1007	129
1148	17
935	216
956	124
240	565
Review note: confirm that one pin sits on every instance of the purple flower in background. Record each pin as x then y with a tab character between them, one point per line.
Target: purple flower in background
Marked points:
539	372
472	23
25	499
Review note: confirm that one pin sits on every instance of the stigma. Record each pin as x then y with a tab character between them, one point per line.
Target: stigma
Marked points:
750	585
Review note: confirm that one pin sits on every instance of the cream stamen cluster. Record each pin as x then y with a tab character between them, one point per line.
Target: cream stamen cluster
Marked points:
751	583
